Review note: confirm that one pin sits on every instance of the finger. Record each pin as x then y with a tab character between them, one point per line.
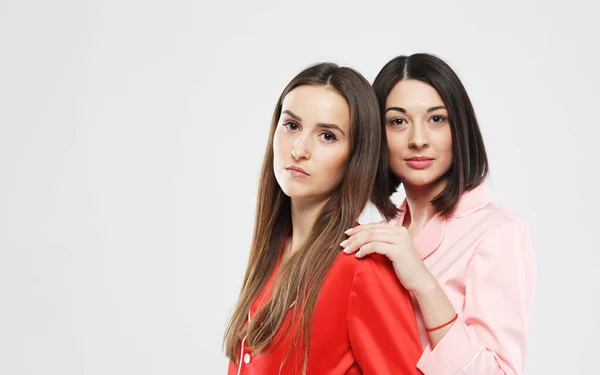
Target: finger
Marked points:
390	229
361	239
368	231
364	227
383	233
377	248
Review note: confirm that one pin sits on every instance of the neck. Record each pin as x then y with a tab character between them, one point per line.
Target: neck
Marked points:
304	215
420	209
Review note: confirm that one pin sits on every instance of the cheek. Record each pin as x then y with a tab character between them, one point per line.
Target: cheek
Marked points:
448	150
279	146
444	145
334	163
394	143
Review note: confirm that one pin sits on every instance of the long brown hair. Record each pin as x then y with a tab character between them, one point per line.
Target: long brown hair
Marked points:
469	159
299	279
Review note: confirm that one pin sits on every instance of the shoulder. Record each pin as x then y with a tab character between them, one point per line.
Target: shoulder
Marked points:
502	234
377	291
485	221
373	268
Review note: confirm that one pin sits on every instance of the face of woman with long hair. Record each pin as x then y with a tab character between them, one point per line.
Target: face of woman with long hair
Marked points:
312	141
418	134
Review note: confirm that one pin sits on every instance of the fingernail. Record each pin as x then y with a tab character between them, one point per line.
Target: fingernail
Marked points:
358	255
347	250
349	231
344	243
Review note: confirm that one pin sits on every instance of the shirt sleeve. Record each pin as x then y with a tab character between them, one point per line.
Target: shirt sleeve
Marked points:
490	335
382	327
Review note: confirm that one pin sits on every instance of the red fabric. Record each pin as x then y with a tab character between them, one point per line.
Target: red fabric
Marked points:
363	324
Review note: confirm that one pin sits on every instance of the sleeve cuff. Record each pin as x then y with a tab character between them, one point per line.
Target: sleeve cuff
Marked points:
453	354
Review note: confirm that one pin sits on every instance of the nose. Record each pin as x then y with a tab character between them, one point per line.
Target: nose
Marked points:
301	148
419	137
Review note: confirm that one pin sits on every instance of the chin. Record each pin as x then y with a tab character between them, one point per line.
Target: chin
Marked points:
417	183
295	193
424	183
419	179
306	195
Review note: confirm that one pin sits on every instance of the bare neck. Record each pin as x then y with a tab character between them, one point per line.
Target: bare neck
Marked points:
420	209
304	216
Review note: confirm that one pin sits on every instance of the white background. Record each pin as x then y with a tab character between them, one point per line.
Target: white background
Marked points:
132	133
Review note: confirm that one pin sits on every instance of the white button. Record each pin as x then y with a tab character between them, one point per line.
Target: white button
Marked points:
246	358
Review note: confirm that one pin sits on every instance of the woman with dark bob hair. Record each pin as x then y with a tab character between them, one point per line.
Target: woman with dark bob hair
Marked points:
467	261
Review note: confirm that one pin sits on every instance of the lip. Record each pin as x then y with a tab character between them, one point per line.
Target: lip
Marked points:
419	162
296	171
419	158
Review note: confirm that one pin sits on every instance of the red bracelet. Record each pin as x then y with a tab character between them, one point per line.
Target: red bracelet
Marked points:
443	325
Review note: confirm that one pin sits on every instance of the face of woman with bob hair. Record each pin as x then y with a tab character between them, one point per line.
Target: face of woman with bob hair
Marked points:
418	133
432	134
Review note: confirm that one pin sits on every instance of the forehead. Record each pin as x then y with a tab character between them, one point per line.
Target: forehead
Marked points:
412	94
318	104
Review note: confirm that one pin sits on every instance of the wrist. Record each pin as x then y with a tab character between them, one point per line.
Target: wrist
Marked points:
425	289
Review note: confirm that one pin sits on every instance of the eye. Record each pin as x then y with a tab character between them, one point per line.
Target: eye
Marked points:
328	137
437	119
291	125
398	122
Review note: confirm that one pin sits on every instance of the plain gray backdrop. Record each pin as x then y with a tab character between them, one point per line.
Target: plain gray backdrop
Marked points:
131	138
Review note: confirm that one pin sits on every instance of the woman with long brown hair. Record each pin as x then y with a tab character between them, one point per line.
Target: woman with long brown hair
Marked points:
304	308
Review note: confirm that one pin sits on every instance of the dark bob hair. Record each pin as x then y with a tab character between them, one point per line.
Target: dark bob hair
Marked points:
469	159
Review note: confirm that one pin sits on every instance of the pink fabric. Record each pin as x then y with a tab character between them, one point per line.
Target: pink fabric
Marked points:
483	259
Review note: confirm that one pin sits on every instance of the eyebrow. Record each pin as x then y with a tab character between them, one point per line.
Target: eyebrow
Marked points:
436	108
292	114
331	126
321	124
400	109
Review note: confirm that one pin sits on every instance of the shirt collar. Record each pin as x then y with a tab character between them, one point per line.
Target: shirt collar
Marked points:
430	237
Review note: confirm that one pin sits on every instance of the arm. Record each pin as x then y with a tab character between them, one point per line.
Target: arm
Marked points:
397	245
436	309
381	323
490	335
